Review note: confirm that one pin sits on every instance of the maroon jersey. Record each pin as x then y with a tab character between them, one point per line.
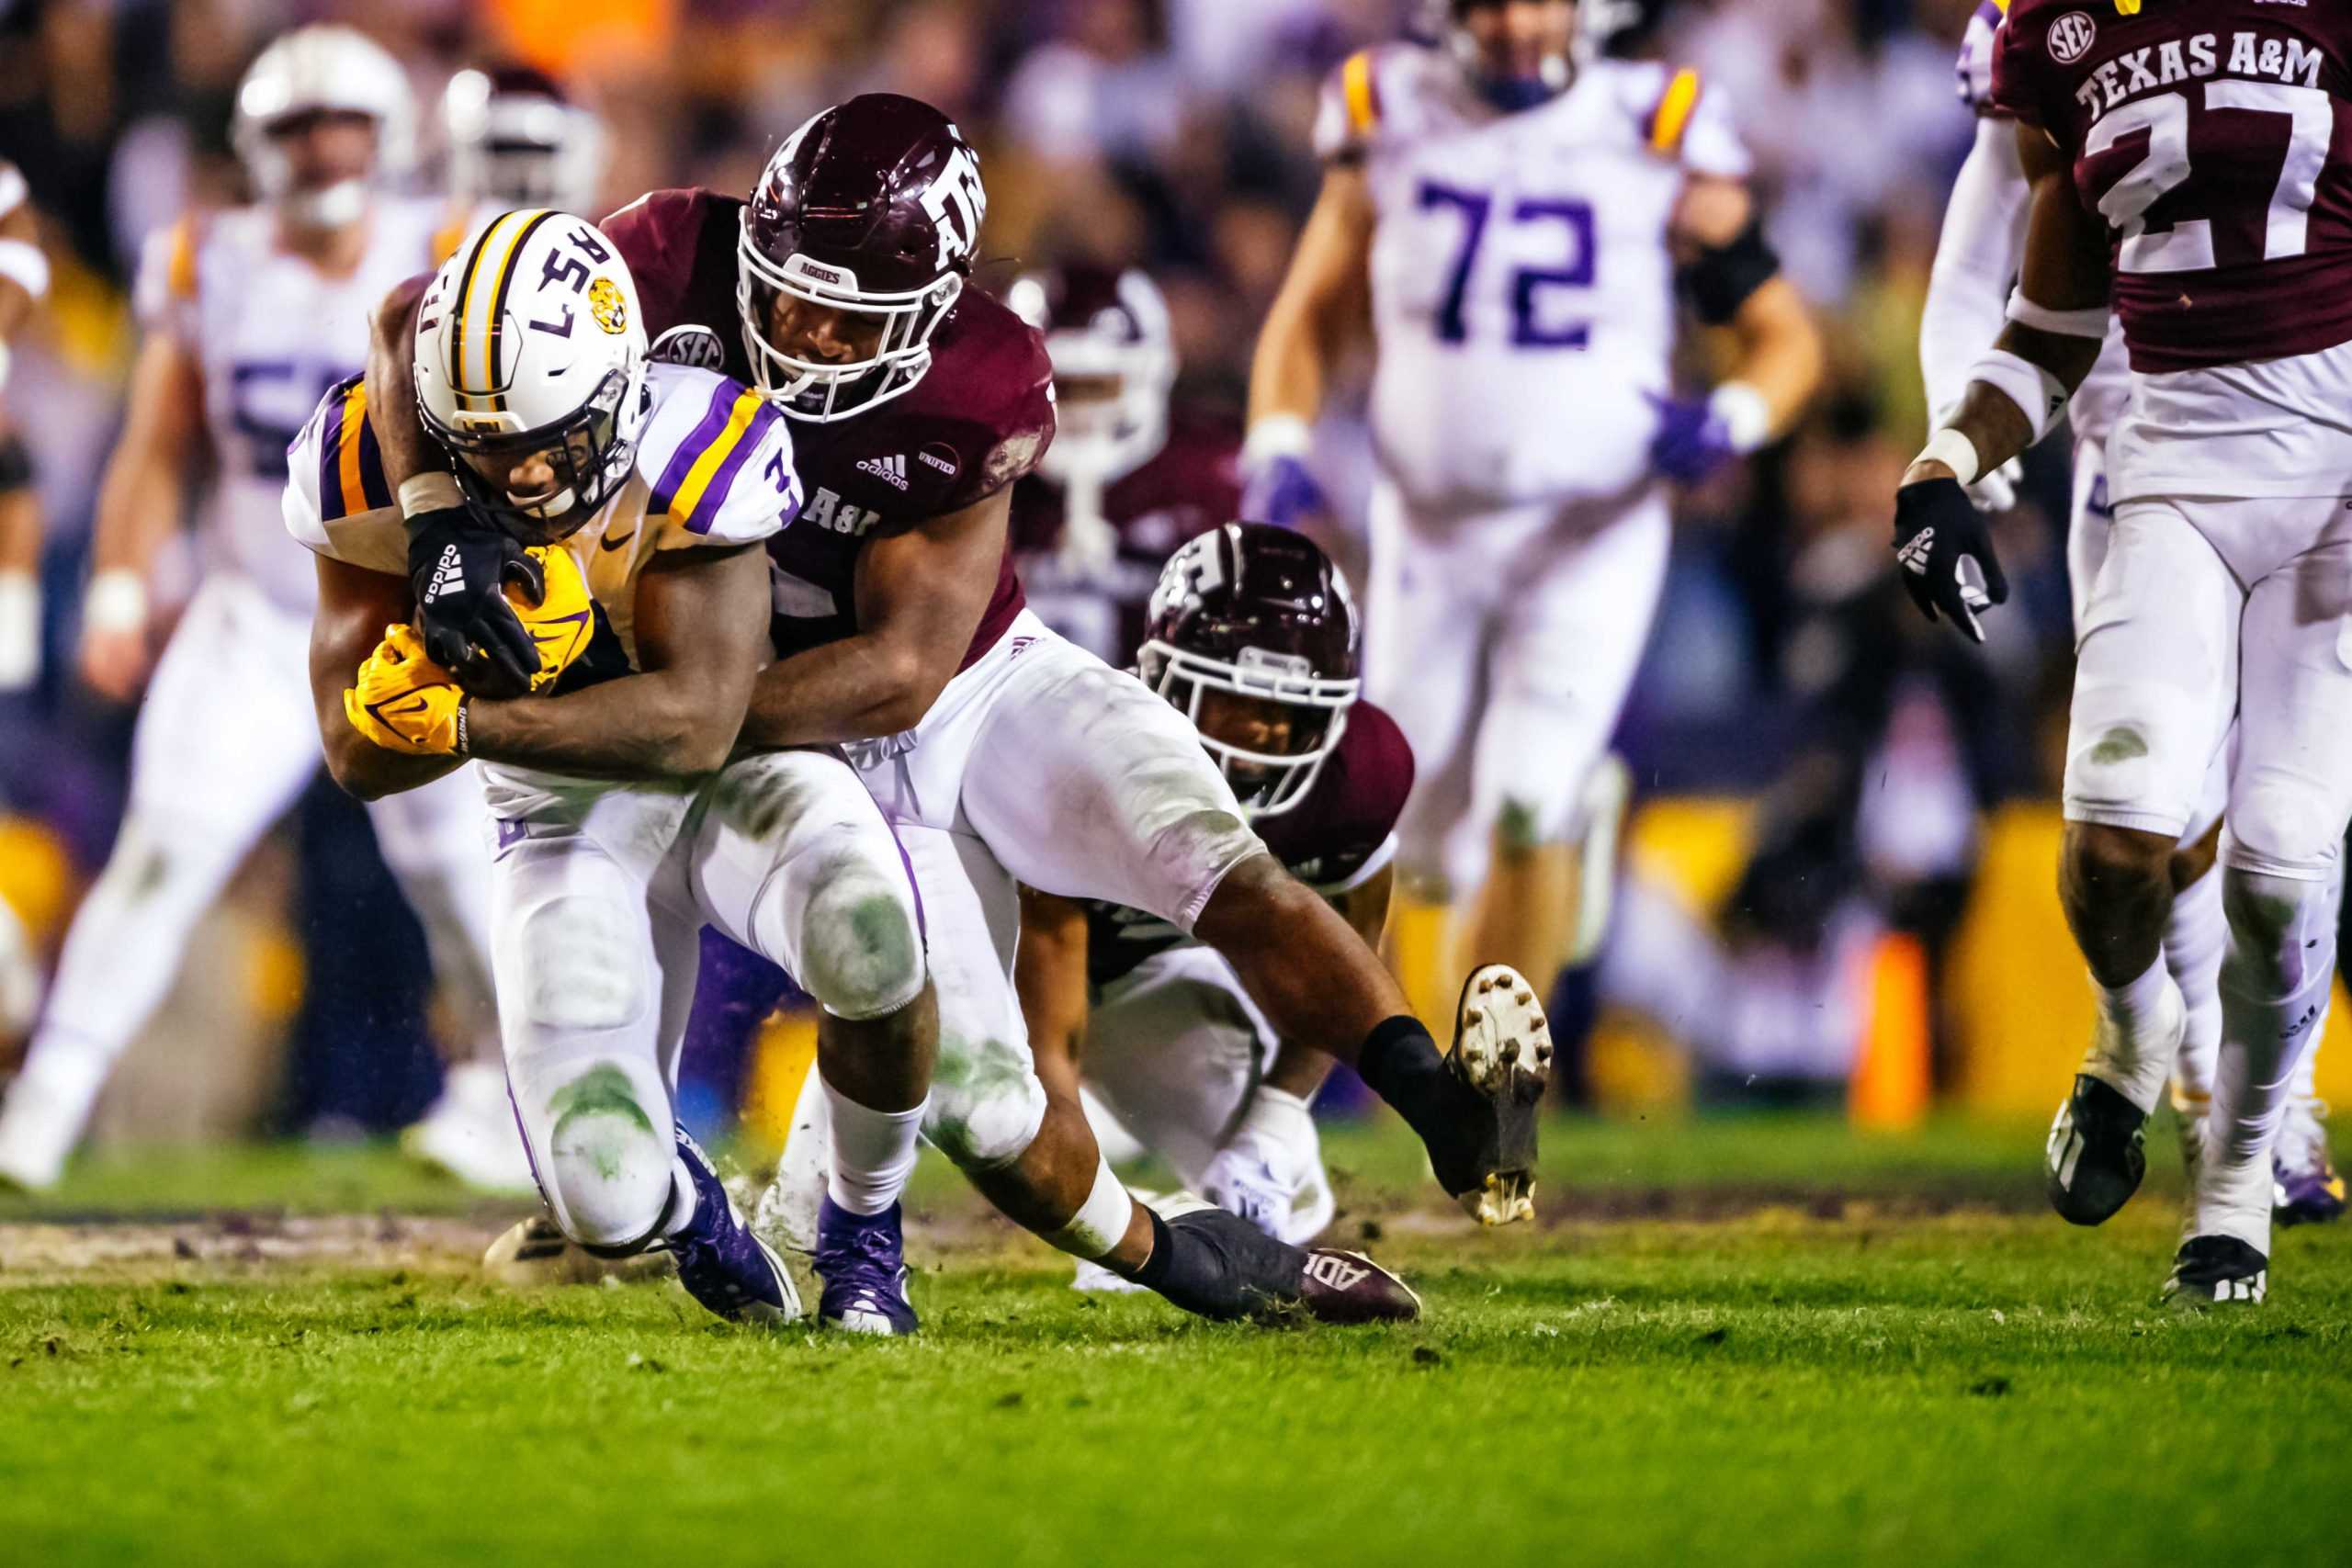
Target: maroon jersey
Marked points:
1330	840
1188	486
2213	137
978	420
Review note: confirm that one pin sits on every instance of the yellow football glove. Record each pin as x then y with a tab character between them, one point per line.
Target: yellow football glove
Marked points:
405	702
564	620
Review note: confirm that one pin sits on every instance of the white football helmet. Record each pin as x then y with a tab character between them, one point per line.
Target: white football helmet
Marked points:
529	343
1114	365
308	71
1596	21
517	140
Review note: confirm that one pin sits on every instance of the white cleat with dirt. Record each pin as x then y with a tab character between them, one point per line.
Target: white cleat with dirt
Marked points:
1502	1050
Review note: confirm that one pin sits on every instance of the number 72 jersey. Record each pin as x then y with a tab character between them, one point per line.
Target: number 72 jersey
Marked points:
1522	288
2211	137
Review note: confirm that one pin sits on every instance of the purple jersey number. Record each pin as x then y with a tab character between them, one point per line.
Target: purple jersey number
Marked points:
1573	219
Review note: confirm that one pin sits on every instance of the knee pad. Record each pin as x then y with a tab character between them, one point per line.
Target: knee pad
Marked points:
2282	933
2283	826
861	951
606	1169
583	969
986	1104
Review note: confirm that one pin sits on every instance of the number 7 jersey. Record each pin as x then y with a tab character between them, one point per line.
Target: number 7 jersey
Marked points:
2212	138
1522	288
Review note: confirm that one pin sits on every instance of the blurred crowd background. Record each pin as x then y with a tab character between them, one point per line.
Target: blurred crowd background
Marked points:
1853	751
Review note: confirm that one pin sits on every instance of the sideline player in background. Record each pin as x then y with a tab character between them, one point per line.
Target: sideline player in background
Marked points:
1130	475
1252	634
515	140
1512	216
24	281
250	315
1976	263
2229	565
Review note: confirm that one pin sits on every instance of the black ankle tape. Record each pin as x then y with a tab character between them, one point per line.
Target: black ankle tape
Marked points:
1392	1043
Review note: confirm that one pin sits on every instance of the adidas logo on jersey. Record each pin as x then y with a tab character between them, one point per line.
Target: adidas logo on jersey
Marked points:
1915	552
892	469
448	575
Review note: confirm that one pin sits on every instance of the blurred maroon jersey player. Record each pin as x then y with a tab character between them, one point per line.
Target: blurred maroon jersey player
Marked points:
1130	475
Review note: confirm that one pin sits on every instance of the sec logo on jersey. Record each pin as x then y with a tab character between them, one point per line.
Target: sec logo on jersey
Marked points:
2071	37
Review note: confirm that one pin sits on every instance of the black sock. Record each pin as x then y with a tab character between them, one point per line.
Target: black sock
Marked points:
1219	1266
1400	1063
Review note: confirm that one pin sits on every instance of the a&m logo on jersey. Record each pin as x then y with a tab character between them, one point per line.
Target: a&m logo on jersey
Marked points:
606	306
2071	37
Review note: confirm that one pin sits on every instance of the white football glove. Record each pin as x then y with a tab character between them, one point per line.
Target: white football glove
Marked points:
1258	1172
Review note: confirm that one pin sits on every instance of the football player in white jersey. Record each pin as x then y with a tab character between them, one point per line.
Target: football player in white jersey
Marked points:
250	314
24	279
1968	294
1513	217
645	492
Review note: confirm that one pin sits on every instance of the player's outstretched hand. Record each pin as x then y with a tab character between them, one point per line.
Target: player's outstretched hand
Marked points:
1693	443
1945	550
459	566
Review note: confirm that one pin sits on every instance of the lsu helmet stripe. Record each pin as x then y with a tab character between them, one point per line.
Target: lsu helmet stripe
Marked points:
673	473
457	311
498	300
1362	92
714	469
479	296
1672	116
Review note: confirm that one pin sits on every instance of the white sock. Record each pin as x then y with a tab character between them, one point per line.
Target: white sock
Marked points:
2134	1056
2194	938
1101	1221
2275	982
874	1153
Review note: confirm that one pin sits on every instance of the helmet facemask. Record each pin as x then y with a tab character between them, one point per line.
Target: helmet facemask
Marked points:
590	452
1266	782
819	390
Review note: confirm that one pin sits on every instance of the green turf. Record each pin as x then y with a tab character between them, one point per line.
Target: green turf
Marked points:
1756	1342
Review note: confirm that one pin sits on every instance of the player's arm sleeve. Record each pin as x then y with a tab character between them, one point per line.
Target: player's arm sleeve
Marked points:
1348	112
1976	260
162	296
716	458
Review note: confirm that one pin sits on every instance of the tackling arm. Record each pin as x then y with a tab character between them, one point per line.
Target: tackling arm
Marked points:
354	607
919	598
392	385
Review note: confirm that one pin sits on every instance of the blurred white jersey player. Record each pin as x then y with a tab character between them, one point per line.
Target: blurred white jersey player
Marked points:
24	281
1976	264
250	315
515	138
1514	215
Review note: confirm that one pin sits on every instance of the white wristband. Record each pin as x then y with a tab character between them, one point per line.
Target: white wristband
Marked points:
1955	452
2090	324
19	629
429	493
23	263
117	602
1748	418
2039	395
1275	435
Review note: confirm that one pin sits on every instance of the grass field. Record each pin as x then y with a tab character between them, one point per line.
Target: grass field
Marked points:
1759	1341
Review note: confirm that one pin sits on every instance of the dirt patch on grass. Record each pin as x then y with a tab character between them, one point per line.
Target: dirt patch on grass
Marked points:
230	1242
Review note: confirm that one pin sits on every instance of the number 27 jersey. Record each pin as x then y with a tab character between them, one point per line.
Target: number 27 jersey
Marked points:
2211	137
1522	288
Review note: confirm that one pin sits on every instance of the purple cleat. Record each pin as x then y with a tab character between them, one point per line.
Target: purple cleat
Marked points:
861	1259
720	1262
2306	1191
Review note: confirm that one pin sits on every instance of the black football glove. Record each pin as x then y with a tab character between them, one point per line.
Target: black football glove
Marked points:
1945	552
459	568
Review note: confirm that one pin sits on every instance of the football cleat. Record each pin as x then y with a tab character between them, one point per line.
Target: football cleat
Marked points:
1348	1287
1227	1268
1503	1051
2096	1154
469	1133
2216	1270
720	1262
862	1261
533	1253
2306	1191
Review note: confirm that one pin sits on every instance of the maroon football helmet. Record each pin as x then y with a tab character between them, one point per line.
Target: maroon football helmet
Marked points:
1114	364
1261	613
870	214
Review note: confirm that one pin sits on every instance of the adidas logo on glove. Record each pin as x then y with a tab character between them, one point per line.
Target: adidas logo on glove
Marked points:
1915	553
448	575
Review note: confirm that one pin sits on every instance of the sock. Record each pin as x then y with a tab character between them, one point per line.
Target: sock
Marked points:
2275	982
2194	937
1400	1063
1219	1266
874	1153
2126	1056
1100	1222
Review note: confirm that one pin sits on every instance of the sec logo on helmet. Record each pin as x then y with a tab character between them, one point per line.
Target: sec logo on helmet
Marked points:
606	304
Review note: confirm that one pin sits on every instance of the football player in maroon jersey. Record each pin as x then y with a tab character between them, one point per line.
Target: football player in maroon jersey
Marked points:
1158	1026
1001	750
2187	164
1130	475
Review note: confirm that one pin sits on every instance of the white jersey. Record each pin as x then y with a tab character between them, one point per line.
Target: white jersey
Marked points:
271	333
713	467
1522	290
2098	401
